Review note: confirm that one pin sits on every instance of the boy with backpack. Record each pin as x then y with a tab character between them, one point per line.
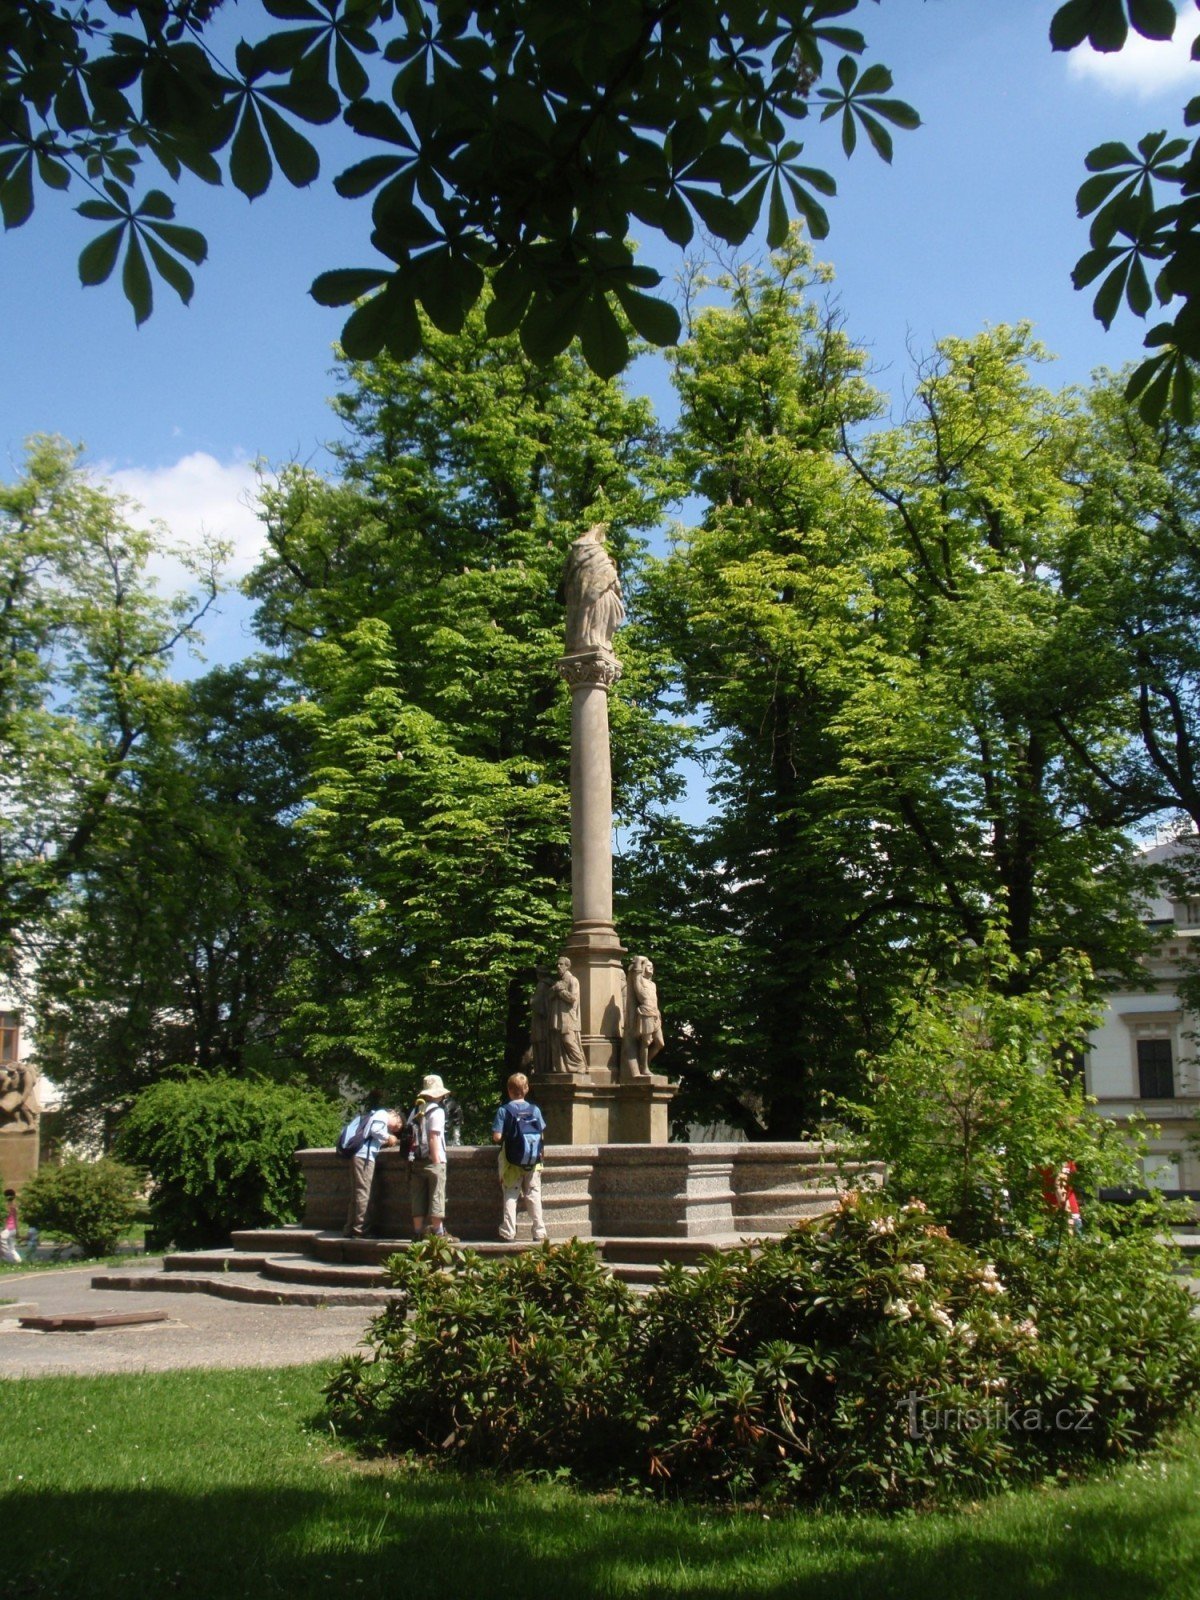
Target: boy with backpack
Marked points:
360	1141
520	1130
424	1143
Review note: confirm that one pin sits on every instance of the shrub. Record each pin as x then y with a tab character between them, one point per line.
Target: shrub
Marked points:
513	1362
220	1152
971	1103
91	1203
867	1358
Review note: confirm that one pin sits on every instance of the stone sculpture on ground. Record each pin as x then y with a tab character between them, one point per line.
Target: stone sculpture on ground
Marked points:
541	1042
18	1099
19	1121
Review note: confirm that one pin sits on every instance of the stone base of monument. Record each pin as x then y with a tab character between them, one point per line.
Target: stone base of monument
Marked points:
585	1109
18	1156
643	1206
604	1191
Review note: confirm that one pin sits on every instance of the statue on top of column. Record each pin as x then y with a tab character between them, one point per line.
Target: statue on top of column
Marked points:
595	607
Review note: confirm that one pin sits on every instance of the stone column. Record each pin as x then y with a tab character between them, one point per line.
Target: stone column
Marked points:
592	946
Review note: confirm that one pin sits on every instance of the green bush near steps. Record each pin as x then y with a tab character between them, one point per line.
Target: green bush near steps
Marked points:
866	1359
91	1203
221	1154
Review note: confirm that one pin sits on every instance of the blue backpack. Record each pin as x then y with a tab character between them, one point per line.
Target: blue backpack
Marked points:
354	1135
523	1138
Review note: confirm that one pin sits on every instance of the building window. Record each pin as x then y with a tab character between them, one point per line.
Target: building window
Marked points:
1191	913
1156	1080
10	1035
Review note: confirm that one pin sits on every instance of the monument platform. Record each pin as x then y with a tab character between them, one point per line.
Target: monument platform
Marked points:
642	1206
596	1191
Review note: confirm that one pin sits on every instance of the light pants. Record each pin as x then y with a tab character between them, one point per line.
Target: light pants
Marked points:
515	1182
8	1246
360	1211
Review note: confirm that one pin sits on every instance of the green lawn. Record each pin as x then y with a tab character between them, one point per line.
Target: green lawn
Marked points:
214	1484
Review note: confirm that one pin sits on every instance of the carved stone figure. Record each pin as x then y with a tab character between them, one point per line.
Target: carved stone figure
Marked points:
542	1056
595	608
643	1020
17	1105
566	1045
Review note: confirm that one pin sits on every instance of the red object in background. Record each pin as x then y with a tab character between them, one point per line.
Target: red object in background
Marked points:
1057	1190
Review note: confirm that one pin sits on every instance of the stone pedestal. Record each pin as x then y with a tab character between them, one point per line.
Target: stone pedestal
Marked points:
18	1156
645	1190
587	1110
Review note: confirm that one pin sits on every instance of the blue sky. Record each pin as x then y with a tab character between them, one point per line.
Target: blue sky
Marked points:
973	223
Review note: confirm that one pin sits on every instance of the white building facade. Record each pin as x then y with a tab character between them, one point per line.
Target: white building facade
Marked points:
1144	1059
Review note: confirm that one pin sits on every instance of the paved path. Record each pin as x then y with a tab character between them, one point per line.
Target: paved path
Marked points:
201	1331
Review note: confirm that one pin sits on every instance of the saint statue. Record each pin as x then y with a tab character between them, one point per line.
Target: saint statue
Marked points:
595	608
643	1020
566	1045
542	1054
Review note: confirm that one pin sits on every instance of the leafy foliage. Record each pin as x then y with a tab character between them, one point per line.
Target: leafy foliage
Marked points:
512	137
84	646
907	721
220	1152
91	1203
981	1092
180	931
1145	207
866	1358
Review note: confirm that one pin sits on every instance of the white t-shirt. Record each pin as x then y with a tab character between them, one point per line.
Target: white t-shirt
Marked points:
434	1121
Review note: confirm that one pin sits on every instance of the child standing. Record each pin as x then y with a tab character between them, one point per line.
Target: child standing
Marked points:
519	1129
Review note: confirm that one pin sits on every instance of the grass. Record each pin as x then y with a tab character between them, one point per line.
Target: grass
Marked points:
123	1258
217	1485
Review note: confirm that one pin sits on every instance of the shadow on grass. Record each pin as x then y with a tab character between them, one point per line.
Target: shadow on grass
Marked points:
437	1536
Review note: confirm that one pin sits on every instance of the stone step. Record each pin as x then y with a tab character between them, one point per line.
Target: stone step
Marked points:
214	1261
273	1241
247	1286
304	1270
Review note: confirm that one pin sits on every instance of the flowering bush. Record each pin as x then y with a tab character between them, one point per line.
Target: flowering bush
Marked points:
867	1357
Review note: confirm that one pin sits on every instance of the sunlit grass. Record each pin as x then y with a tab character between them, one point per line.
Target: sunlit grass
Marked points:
223	1484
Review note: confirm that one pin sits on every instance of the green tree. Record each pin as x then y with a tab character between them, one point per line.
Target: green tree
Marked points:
979	735
85	645
1132	570
977	1098
182	927
904	707
91	1203
221	1153
1145	208
768	607
416	600
515	136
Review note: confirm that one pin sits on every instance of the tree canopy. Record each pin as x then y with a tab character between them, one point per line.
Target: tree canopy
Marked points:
518	141
85	644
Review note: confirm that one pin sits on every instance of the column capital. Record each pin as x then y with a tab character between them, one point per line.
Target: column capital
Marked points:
581	667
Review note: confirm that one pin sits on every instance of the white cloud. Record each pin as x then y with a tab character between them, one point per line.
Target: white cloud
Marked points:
195	498
1144	68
